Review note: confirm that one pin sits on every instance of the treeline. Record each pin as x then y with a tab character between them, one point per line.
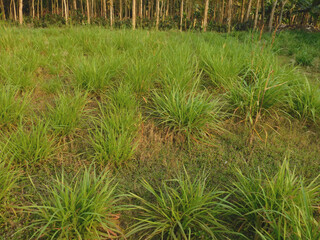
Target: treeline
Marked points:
203	15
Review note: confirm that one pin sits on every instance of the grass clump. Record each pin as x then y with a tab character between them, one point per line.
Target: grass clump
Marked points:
81	208
8	183
114	136
277	207
183	208
12	106
67	113
305	101
29	146
190	115
96	73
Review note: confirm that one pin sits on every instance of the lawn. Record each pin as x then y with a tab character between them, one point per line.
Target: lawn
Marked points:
158	135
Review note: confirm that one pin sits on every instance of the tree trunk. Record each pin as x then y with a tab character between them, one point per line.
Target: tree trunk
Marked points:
248	11
256	16
242	11
32	7
263	12
14	10
140	9
65	10
205	18
120	10
111	13
181	14
157	14
2	10
88	11
75	5
20	12
272	14
222	12
133	14
229	15
281	12
104	9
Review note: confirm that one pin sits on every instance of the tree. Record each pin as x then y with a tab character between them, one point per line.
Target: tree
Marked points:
274	4
20	12
133	14
205	18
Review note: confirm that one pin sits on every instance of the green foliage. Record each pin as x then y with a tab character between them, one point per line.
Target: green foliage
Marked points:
67	113
183	208
8	183
188	114
81	208
113	139
29	145
305	101
12	106
96	73
279	206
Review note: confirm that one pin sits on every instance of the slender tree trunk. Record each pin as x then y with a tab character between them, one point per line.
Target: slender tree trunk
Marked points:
133	14
32	9
38	9
41	8
2	10
281	12
140	9
263	12
111	13
229	15
65	10
272	14
14	10
157	13
248	11
181	14
205	18
104	9
75	5
120	10
20	12
256	16
242	10
222	12
88	11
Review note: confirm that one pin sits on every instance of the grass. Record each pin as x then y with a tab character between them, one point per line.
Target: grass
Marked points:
12	106
144	103
278	207
68	112
182	208
29	146
83	208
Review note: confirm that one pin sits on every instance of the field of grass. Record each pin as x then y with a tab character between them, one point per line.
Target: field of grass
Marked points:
158	135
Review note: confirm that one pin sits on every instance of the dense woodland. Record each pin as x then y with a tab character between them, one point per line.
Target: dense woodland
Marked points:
220	15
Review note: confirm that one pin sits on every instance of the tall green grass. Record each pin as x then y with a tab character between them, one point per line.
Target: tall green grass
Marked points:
113	138
191	115
81	207
68	113
282	206
29	146
12	106
8	184
182	208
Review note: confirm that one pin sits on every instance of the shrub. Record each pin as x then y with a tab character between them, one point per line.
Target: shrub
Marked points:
183	208
81	208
